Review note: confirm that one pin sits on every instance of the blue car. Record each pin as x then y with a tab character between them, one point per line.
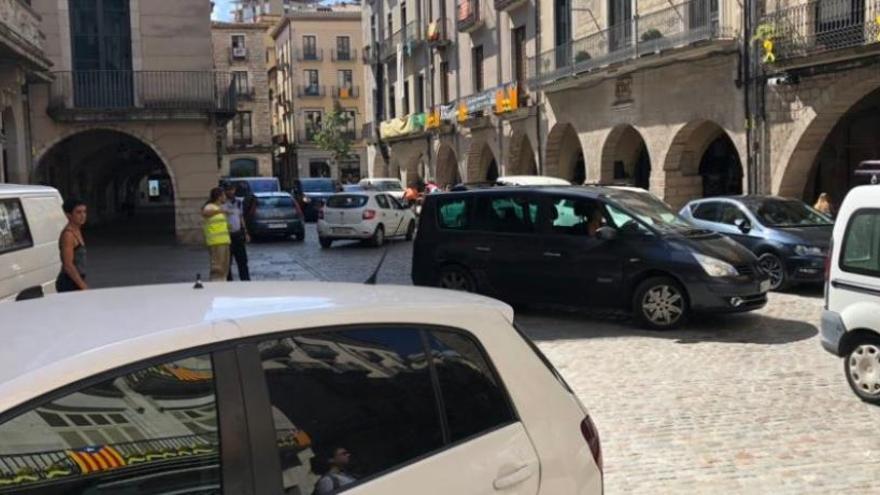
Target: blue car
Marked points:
789	238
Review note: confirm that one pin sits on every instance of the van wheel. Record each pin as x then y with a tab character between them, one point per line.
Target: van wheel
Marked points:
773	266
378	236
410	230
660	303
862	368
325	243
455	278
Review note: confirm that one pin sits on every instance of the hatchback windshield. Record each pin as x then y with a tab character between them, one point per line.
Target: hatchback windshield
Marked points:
347	201
318	185
652	211
263	185
787	213
275	202
388	185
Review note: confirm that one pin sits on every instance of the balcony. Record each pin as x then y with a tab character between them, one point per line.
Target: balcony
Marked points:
241	142
368	131
371	54
506	5
316	55
245	94
439	33
349	55
672	28
388	48
93	96
311	91
413	33
822	30
238	54
345	92
468	15
20	34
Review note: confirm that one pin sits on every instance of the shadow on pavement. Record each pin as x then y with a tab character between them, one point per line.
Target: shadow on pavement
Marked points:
814	291
750	328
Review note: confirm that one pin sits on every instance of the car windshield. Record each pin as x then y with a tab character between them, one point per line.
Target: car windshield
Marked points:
318	186
275	202
387	185
652	211
787	213
347	201
263	185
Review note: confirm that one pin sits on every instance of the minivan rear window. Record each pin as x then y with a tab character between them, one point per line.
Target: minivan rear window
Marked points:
14	232
861	244
347	201
452	214
276	202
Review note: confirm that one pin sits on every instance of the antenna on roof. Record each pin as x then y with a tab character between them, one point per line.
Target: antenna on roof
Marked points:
198	284
372	279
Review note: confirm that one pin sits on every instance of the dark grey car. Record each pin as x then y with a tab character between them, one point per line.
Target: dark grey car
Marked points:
790	238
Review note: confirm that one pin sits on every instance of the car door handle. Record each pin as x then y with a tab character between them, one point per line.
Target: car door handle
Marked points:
521	474
483	249
552	254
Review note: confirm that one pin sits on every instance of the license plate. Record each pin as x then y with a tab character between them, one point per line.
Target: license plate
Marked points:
277	225
340	230
765	285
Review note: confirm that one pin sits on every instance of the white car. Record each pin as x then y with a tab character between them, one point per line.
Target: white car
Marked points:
850	325
31	220
392	187
367	215
261	388
530	180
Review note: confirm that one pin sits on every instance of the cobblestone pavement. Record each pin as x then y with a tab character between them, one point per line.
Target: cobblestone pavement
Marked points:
735	404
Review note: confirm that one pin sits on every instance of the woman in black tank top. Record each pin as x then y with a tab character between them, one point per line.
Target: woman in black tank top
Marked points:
73	249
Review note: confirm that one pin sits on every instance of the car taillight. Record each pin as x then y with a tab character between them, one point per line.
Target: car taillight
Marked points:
369	214
321	214
591	435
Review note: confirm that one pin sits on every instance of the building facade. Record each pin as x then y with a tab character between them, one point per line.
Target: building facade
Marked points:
676	97
256	10
241	50
129	121
22	61
317	68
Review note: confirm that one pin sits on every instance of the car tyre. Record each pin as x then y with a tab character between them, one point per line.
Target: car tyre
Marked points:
862	369
660	303
325	242
456	278
300	236
411	230
378	236
774	267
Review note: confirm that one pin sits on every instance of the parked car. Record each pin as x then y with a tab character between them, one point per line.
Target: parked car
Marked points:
391	186
311	194
31	220
850	325
370	215
790	238
583	246
253	185
530	180
240	388
276	215
353	188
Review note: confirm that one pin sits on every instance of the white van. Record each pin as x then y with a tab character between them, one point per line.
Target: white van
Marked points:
850	326
31	219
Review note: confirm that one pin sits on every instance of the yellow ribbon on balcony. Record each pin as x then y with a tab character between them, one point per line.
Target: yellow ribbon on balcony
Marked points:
877	23
769	57
432	121
462	112
506	99
433	32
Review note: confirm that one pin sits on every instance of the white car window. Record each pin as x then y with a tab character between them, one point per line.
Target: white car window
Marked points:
382	200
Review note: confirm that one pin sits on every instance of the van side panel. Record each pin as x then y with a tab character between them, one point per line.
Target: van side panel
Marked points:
39	265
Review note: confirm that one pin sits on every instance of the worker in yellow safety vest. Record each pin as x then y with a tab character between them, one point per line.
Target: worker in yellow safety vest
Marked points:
217	235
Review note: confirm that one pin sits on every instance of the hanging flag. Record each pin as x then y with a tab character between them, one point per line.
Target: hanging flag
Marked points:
95	459
769	57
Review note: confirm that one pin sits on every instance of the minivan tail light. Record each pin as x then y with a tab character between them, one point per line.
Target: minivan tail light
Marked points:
591	436
369	214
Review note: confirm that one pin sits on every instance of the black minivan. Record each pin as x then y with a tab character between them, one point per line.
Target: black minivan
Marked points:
583	246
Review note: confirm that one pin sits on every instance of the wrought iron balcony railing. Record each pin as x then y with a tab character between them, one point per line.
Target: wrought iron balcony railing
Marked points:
371	54
413	32
468	15
349	55
307	135
388	48
303	54
311	90
345	92
127	95
502	5
820	26
665	29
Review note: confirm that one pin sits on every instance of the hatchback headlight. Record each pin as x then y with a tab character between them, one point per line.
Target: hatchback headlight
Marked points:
715	267
307	199
809	251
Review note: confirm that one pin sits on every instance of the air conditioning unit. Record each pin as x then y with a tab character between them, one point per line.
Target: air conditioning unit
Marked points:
239	52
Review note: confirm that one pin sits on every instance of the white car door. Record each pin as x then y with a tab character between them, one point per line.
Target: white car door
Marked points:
391	216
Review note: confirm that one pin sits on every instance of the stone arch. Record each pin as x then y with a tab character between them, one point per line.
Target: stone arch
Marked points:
625	158
565	156
702	160
809	131
521	157
481	163
447	166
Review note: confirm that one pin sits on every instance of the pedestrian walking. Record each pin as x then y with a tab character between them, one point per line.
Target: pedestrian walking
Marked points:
233	207
73	248
823	204
217	234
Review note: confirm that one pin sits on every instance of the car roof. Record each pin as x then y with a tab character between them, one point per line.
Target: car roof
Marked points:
745	198
20	189
378	179
529	180
270	194
862	196
62	338
317	179
588	192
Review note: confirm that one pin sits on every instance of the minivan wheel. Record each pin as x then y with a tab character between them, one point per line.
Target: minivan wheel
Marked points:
455	278
862	368
774	268
378	236
660	303
410	230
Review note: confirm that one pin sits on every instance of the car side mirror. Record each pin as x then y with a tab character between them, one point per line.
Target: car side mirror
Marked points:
744	225
606	233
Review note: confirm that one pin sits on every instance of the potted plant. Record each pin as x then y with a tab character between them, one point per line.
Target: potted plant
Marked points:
651	35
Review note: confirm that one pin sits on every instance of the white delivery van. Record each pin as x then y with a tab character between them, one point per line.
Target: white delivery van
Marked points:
31	219
850	325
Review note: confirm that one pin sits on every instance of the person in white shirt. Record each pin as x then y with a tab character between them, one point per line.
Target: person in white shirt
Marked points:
238	234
